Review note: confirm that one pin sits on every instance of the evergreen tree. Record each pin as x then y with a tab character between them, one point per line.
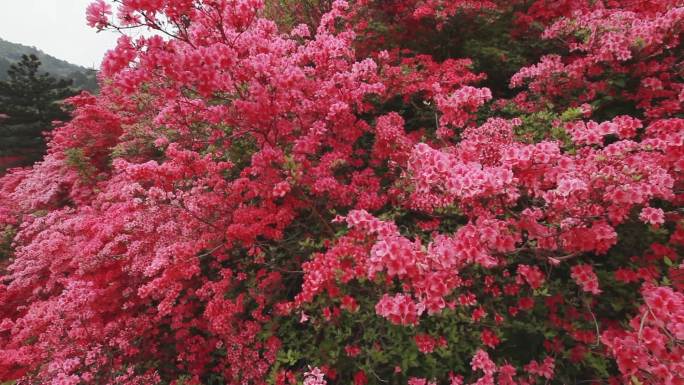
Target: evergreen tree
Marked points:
29	103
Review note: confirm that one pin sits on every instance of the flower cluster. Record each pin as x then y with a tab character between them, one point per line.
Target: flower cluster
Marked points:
586	278
650	351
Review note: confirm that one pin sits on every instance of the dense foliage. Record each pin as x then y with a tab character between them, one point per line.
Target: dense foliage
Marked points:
409	192
30	101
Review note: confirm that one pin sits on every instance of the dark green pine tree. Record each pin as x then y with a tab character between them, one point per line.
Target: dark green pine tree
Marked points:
29	103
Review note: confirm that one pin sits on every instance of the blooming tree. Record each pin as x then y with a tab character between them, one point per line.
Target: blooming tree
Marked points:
259	201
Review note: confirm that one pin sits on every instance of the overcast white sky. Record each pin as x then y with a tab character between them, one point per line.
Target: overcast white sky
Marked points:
58	27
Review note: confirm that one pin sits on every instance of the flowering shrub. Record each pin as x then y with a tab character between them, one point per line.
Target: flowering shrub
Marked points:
251	201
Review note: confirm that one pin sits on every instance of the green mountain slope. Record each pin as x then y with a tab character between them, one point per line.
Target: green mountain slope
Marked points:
83	78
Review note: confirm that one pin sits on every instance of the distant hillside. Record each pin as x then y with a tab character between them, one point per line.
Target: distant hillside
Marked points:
11	52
